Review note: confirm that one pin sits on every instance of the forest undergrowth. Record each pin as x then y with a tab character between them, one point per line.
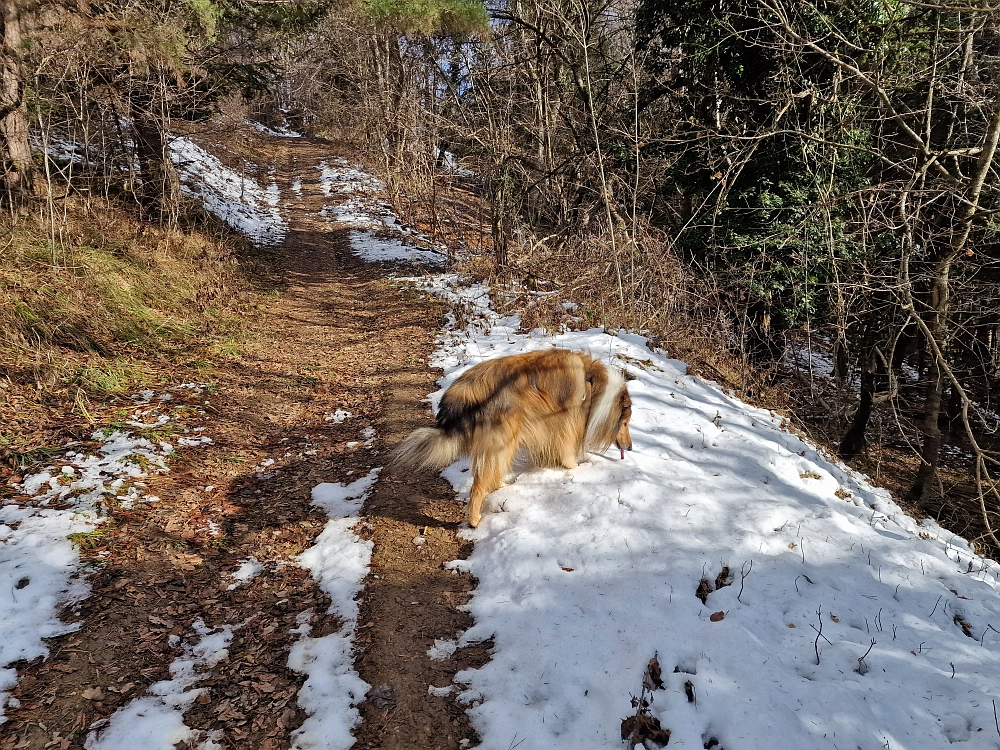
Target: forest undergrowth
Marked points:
99	303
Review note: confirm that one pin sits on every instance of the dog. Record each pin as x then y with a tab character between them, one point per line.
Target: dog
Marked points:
555	404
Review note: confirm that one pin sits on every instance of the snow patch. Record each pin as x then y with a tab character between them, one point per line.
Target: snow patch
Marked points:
381	250
237	199
442	649
282	132
248	570
379	235
584	575
155	721
339	562
38	560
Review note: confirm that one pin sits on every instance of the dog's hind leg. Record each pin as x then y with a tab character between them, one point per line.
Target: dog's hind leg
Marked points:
570	457
489	469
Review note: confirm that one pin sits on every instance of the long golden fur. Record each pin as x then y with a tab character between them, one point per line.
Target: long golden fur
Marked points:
555	404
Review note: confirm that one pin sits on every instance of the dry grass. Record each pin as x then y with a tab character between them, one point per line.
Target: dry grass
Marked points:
102	305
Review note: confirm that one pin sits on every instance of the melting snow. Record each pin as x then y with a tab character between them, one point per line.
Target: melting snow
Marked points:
339	562
363	211
585	575
38	560
442	649
248	570
155	721
237	199
376	249
282	132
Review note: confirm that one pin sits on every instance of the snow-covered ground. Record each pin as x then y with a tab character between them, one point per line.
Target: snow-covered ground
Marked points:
584	576
378	235
237	199
830	618
283	132
339	562
39	561
155	721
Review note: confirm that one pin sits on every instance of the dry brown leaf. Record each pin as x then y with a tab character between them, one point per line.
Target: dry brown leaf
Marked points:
717	616
655	674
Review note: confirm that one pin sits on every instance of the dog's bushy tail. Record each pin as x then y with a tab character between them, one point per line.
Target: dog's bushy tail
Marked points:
428	447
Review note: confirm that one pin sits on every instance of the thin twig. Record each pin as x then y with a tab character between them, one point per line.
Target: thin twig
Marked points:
862	667
819	632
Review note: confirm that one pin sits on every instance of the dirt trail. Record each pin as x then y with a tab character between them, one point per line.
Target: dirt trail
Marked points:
334	334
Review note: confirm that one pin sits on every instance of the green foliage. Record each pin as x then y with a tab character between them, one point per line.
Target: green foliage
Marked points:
767	238
447	17
208	14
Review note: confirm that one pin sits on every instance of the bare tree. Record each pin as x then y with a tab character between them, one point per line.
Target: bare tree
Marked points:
15	151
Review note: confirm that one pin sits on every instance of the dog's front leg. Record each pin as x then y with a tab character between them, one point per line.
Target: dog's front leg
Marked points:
476	504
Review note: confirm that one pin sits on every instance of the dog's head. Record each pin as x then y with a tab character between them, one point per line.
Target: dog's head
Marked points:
623	440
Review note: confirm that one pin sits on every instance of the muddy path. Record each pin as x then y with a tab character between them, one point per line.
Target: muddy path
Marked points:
331	332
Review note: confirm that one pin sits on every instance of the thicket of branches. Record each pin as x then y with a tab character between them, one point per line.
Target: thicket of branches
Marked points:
761	170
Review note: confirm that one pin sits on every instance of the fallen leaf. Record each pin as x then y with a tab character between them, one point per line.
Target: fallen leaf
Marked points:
568	570
703	590
717	616
93	694
689	691
653	673
638	729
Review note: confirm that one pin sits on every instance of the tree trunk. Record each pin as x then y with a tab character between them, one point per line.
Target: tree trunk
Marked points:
15	152
157	192
854	440
937	316
930	451
502	215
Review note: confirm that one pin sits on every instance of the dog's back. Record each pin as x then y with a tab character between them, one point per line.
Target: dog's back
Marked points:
544	402
527	386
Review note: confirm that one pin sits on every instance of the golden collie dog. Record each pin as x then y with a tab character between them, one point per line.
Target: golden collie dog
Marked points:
556	404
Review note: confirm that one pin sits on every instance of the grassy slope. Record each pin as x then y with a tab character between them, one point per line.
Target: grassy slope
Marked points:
102	305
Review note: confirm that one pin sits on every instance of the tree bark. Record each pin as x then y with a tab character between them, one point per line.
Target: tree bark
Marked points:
854	440
157	192
15	151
